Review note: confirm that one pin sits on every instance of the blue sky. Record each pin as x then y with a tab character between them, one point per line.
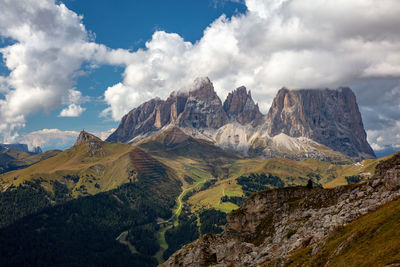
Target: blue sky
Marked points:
65	63
128	25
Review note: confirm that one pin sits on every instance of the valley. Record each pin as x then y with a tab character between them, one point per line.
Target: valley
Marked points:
166	187
209	133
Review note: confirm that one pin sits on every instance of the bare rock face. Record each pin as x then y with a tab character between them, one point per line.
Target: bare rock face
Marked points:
203	108
140	120
239	106
390	171
307	123
169	111
329	117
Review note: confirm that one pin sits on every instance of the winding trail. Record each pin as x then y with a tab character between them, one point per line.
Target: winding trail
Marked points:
164	225
173	221
122	238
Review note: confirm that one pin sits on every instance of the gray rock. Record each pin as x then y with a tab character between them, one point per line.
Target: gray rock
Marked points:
392	179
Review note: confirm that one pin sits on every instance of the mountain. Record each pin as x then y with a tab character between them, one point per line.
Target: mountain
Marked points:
20	147
329	117
303	226
309	123
141	202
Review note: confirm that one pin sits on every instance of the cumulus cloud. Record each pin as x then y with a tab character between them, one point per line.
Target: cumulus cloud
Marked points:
73	110
293	43
49	45
49	139
104	134
41	62
74	100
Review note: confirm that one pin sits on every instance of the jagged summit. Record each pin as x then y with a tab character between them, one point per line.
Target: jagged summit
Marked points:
85	137
203	108
240	106
309	118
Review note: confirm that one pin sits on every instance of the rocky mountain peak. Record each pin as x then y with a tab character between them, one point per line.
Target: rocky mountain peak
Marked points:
202	88
85	137
203	108
240	106
313	117
92	144
329	117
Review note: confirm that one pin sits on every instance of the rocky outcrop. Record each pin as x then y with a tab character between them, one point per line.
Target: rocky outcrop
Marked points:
271	224
93	144
390	171
240	107
329	117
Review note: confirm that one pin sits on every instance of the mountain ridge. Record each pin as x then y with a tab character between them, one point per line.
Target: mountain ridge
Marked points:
309	119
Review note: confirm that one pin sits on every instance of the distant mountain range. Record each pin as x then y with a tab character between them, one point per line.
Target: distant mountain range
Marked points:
20	147
308	123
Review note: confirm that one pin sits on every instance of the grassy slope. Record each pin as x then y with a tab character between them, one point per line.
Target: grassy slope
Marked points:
371	238
288	170
200	160
365	166
109	168
14	159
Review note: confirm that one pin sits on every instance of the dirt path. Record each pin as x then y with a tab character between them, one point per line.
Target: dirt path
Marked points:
122	238
173	221
168	224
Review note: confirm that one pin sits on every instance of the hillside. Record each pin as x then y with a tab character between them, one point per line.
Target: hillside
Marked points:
12	159
304	226
183	185
77	203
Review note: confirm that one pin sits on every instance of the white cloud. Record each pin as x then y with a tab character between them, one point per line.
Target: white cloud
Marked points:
74	100
73	110
104	134
49	46
293	43
385	139
49	139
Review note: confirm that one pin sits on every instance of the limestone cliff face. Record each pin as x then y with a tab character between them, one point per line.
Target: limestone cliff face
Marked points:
272	224
203	108
239	106
319	123
138	121
329	117
169	111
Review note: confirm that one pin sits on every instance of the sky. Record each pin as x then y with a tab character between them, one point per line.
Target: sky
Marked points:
82	64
